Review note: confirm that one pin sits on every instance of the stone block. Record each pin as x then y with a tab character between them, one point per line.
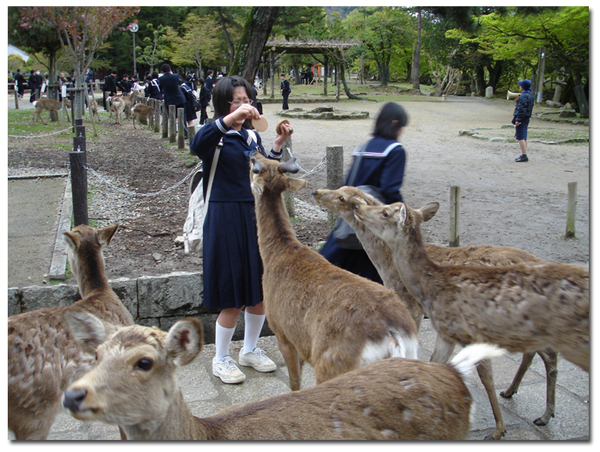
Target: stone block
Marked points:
175	294
36	297
14	300
126	290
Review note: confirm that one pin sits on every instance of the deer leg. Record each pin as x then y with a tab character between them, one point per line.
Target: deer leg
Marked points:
514	386
292	360
550	358
484	369
441	351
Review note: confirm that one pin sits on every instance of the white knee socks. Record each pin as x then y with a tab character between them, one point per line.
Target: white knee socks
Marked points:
254	324
222	340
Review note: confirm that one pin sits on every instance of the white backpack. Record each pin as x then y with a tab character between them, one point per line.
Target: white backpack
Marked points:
197	207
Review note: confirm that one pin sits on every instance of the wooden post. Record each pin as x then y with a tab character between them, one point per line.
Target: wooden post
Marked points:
454	215
191	133
180	128
77	160
172	123
571	210
335	172
158	108
16	98
288	198
165	121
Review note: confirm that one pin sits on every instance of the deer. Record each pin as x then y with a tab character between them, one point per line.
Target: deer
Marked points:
329	317
43	357
141	110
346	199
393	399
120	104
523	308
50	105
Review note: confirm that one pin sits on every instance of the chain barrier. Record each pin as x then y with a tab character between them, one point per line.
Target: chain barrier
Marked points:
317	169
132	193
39	136
320	167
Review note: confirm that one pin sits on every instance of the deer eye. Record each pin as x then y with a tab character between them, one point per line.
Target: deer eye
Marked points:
341	199
144	364
384	213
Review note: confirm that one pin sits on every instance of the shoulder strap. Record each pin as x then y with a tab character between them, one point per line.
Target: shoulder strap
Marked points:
211	177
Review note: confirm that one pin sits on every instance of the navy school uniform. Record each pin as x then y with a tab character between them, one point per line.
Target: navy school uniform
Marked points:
382	166
231	259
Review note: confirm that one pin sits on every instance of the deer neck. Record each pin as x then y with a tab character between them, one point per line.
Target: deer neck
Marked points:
178	423
91	275
275	233
416	269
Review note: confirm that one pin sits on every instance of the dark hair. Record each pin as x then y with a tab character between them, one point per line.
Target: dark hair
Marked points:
201	80
222	93
390	120
155	74
165	68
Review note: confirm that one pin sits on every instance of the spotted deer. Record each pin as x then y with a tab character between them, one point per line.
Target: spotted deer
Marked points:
50	105
393	399
43	357
524	308
345	200
141	110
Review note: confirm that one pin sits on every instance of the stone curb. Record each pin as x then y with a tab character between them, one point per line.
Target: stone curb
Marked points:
152	300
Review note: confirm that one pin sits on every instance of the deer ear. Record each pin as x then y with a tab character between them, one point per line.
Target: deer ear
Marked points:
294	185
71	239
87	329
403	215
106	234
184	341
429	210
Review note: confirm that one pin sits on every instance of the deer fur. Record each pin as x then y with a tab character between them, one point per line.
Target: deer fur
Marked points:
397	398
346	199
43	357
141	110
524	308
333	319
50	105
120	104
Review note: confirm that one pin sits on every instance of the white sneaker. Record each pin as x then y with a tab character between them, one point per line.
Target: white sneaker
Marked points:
258	359
227	370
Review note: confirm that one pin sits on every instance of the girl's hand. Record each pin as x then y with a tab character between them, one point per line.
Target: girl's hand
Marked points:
237	117
286	131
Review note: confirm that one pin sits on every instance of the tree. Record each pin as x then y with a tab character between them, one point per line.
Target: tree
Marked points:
81	31
153	53
385	33
252	43
416	61
199	41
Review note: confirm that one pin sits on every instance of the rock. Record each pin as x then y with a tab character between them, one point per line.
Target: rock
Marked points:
568	113
323	109
157	257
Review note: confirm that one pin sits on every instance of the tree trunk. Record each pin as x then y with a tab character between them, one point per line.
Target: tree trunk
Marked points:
227	38
252	43
417	55
346	89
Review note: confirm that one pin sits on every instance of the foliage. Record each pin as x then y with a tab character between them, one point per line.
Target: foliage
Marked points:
81	30
153	53
385	32
199	40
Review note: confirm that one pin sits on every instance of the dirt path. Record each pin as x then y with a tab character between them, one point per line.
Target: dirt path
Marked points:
502	202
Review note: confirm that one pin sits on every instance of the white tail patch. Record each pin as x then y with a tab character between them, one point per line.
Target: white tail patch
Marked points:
467	359
394	346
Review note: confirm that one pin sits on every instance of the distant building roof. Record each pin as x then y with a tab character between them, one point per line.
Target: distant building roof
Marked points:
12	50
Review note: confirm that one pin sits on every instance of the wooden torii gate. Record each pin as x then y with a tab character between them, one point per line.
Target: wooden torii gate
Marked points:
326	48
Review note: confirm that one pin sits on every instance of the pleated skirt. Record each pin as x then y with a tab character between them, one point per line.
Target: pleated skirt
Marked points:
231	259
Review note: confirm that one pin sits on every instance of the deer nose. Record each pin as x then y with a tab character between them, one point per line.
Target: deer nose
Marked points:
72	399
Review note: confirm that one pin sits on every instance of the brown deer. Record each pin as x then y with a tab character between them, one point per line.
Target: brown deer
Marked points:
345	200
43	357
141	110
333	319
525	308
394	399
50	105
